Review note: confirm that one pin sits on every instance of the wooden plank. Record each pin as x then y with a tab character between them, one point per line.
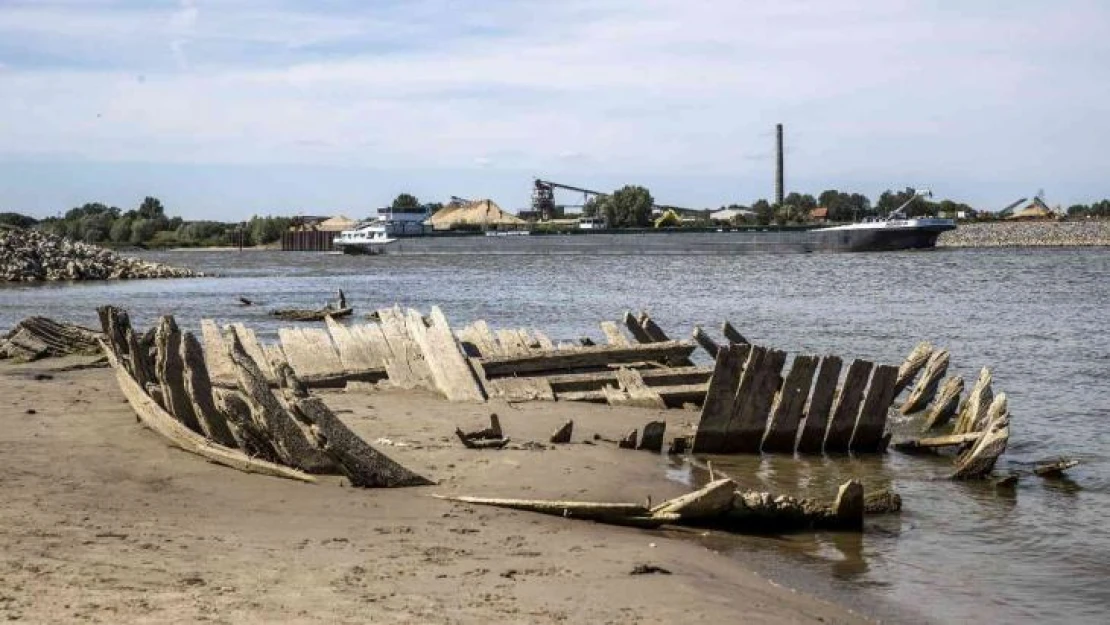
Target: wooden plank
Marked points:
511	342
843	421
751	410
613	334
652	329
525	337
639	393
522	389
374	339
979	461
673	396
732	335
652	377
634	327
406	366
153	416
974	410
871	423
708	344
220	369
820	406
946	404
310	353
782	427
937	442
353	349
926	387
255	351
171	373
597	357
198	388
716	411
487	344
448	365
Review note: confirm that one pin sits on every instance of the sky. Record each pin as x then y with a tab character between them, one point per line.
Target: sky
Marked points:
228	108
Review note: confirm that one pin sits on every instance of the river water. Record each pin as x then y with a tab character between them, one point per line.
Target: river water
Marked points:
1038	318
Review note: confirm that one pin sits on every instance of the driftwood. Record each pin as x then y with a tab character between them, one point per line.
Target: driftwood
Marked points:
318	314
585	358
157	419
563	433
978	461
946	404
709	501
926	387
913	363
1054	468
39	337
882	502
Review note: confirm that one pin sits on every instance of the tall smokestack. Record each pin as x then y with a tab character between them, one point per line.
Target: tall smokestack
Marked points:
778	164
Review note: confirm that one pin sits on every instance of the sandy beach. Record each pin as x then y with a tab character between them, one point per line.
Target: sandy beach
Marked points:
104	522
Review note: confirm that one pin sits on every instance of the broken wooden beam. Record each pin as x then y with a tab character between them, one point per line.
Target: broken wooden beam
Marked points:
635	329
973	413
221	371
978	461
710	501
562	434
733	335
170	372
867	436
936	442
1054	468
198	388
916	359
843	421
758	385
717	409
946	404
613	335
926	387
586	510
706	342
585	358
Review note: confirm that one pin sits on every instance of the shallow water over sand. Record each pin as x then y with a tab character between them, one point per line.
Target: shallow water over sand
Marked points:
1038	318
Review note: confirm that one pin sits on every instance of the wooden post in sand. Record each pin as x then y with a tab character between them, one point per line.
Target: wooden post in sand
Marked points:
820	405
717	409
926	387
652	438
782	427
839	433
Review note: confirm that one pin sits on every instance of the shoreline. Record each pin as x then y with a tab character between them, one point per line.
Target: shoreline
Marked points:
1028	234
127	527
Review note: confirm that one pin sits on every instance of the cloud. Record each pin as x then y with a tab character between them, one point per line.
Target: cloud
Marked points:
879	91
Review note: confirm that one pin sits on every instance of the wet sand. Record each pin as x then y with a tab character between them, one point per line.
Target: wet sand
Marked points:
104	522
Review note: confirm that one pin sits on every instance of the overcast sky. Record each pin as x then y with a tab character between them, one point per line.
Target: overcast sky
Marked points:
225	108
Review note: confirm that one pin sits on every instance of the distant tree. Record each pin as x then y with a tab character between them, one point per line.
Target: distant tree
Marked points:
764	212
629	207
18	220
405	202
800	202
264	230
120	232
151	208
594	206
143	230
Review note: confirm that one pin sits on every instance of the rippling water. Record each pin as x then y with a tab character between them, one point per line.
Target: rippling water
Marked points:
1038	318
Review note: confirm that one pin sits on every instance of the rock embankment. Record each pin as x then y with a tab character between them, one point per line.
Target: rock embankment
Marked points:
1028	234
31	256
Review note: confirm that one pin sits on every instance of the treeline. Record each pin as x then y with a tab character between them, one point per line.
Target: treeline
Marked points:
149	226
1098	209
846	207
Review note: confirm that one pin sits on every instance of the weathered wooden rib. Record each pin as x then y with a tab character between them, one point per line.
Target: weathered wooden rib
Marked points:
946	403
867	436
198	389
750	413
448	366
973	414
153	416
843	421
511	343
979	461
706	342
597	357
523	389
254	441
638	393
255	350
926	388
782	427
170	373
562	434
720	397
652	377
545	343
732	335
486	342
613	334
220	369
38	337
916	359
652	329
820	406
352	346
635	329
289	440
362	464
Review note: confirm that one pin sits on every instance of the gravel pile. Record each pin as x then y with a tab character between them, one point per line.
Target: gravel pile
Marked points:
1028	234
30	256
